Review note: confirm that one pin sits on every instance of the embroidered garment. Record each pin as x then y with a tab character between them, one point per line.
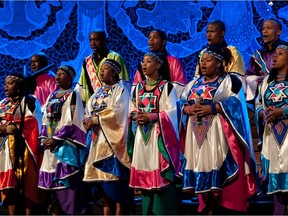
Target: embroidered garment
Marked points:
274	137
20	154
154	147
215	161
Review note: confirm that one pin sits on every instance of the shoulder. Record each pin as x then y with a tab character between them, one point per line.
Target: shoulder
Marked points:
233	49
235	81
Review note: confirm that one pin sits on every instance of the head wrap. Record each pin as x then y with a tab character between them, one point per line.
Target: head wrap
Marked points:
16	77
68	69
157	56
115	65
214	54
282	46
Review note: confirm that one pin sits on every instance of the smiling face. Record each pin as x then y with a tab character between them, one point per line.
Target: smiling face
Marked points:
155	42
63	79
214	34
280	59
11	87
270	31
106	74
209	65
150	66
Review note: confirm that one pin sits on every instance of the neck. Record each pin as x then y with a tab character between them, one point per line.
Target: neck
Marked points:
208	78
153	80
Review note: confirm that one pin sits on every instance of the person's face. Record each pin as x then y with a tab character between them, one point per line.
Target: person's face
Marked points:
63	79
149	65
35	63
106	73
11	87
280	59
97	42
209	65
155	42
214	35
270	31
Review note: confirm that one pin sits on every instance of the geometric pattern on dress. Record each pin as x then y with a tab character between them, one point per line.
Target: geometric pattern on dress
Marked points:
200	130
146	131
100	100
280	130
147	102
278	92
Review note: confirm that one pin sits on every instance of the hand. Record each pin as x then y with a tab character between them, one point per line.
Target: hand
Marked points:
2	130
48	143
192	109
272	114
202	110
87	123
143	118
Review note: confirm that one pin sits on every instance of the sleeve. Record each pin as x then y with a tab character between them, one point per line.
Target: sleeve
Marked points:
238	64
168	122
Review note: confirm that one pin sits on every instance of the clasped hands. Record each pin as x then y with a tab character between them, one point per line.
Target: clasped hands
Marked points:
198	110
271	114
142	118
48	143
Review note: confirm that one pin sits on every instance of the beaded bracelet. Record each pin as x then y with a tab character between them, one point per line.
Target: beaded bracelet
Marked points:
213	108
285	112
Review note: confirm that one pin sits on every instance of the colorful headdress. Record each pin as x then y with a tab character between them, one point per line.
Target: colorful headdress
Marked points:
214	54
115	65
68	69
16	78
157	56
282	46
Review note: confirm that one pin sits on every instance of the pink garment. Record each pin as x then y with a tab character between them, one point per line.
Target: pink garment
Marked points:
176	69
45	85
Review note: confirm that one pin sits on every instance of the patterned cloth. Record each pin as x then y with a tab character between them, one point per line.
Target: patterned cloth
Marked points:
66	160
274	137
20	154
219	155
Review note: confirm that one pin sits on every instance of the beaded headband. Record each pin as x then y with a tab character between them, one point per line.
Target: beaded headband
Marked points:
68	70
282	46
154	56
113	66
15	78
216	55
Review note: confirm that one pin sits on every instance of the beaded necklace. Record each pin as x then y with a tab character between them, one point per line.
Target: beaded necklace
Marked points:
153	83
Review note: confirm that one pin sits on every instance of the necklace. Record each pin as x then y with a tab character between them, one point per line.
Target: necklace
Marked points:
281	76
153	83
62	91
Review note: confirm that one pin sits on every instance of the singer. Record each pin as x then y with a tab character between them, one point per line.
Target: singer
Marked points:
214	154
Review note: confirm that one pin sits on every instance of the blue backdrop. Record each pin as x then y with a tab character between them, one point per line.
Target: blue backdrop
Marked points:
61	29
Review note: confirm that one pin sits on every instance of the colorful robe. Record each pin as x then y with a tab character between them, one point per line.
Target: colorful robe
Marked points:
154	148
45	86
20	153
219	156
70	153
177	74
89	78
274	138
108	159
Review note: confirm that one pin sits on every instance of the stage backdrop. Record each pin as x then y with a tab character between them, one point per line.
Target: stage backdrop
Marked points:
61	29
